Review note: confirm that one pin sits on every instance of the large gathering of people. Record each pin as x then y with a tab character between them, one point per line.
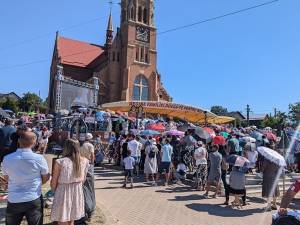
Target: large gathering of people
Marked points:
217	165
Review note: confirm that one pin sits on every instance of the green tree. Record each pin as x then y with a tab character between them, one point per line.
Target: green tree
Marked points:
219	110
30	102
277	122
294	113
10	104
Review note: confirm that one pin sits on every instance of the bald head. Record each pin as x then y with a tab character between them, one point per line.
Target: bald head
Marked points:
27	139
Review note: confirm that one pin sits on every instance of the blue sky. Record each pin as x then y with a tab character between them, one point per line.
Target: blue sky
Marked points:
250	58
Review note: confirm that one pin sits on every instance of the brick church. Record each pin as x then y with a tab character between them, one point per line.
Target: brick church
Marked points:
125	67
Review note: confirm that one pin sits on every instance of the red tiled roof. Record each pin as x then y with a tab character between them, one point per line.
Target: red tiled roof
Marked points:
77	53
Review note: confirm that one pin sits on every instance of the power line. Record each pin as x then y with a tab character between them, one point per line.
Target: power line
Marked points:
217	17
160	33
16	44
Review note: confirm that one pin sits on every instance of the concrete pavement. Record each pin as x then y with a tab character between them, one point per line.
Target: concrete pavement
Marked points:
176	205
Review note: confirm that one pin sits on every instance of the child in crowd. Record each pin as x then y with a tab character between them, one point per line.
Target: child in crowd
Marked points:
181	172
129	163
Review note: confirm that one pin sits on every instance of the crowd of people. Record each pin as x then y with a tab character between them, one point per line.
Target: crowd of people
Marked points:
208	164
24	170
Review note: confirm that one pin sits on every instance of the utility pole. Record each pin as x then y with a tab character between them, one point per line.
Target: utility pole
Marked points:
275	112
248	114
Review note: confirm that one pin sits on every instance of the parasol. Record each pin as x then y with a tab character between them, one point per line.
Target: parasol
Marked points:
239	161
272	156
255	134
175	133
224	134
157	127
248	139
271	137
202	133
149	132
209	130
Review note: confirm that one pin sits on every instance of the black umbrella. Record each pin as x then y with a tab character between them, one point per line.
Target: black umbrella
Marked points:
4	114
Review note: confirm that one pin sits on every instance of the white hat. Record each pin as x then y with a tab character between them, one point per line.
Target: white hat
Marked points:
88	136
153	141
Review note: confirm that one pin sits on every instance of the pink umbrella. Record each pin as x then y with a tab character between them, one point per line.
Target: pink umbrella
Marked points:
271	137
175	133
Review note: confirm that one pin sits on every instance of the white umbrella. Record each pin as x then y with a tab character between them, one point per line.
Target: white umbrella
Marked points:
249	139
272	156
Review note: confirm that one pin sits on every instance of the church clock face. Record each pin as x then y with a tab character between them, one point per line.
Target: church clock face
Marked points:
142	34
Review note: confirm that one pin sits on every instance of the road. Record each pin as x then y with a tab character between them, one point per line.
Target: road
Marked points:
176	205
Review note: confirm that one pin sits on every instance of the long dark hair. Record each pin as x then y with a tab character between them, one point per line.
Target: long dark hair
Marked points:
72	151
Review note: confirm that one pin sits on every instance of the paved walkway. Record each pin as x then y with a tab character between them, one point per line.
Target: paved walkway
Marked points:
174	205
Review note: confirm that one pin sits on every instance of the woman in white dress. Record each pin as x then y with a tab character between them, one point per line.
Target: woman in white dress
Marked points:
68	177
151	167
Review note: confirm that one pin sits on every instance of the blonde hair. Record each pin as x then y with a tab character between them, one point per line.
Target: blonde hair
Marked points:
27	139
72	151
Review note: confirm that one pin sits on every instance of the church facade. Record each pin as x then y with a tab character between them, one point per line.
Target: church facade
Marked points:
125	66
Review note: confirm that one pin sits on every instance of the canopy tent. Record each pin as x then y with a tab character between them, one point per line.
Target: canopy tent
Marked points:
185	112
222	119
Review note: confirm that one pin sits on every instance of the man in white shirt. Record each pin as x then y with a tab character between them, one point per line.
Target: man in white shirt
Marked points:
135	147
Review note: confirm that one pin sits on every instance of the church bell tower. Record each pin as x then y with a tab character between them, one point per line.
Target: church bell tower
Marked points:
139	72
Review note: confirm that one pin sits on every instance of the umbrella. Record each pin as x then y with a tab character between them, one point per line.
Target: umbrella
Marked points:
248	139
175	133
4	114
157	127
271	137
272	156
202	133
8	111
149	132
236	160
209	130
256	135
224	134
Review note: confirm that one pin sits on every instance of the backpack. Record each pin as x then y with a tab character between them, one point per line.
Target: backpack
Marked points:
152	154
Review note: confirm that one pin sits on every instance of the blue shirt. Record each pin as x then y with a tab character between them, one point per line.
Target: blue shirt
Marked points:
24	170
167	151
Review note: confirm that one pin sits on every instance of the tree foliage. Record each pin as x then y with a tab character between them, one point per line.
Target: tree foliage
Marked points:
219	110
30	102
10	104
275	122
294	113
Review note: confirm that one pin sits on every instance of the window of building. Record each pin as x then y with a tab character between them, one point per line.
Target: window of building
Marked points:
140	16
118	57
146	55
140	89
114	57
132	13
142	54
137	58
145	19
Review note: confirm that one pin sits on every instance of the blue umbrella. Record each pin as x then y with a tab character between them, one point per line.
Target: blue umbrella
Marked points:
149	132
255	134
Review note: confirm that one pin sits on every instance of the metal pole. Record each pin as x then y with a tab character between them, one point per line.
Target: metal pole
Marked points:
248	114
284	153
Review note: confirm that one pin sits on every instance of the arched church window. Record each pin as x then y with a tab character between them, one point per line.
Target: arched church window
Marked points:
140	16
140	89
145	16
132	13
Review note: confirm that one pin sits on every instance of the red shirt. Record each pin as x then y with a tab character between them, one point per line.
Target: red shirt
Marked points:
218	140
296	186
